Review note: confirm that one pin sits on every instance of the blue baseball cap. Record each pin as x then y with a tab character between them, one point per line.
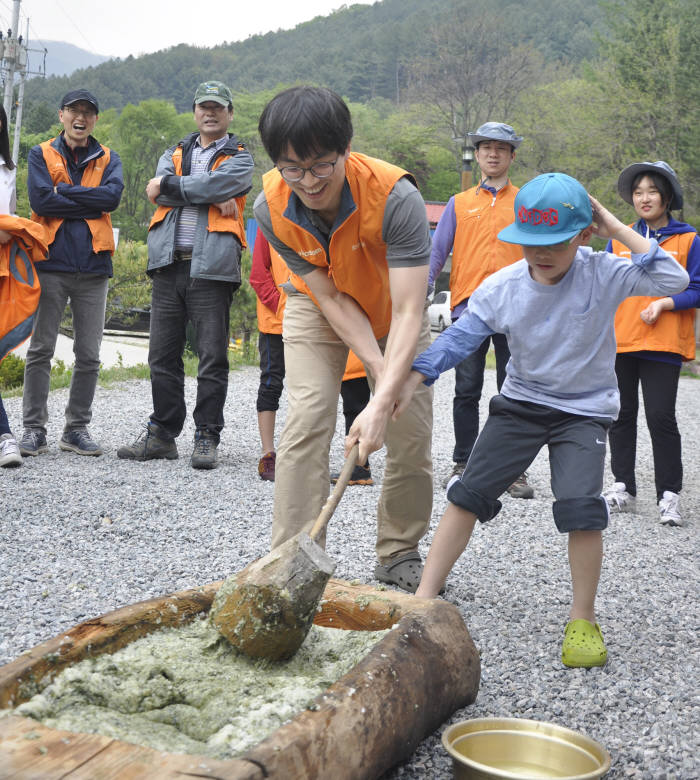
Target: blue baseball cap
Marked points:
549	209
495	131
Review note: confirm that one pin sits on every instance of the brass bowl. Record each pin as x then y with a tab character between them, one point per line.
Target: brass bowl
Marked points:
518	749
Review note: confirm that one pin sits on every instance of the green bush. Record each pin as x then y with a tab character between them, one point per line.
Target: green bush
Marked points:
11	372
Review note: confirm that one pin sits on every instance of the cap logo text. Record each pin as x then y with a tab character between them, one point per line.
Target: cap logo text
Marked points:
538	217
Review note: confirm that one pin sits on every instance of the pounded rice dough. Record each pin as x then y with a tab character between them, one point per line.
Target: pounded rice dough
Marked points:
187	690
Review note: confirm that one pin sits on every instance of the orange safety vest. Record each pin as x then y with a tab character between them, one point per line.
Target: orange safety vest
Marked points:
477	251
674	331
19	282
356	258
216	221
354	368
269	321
100	228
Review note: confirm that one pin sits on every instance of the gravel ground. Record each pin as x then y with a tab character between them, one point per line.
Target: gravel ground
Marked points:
83	536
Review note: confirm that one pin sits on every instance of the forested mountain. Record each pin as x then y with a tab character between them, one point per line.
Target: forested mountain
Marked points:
361	51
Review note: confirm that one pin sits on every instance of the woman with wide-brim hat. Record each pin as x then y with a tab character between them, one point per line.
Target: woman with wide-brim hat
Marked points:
654	337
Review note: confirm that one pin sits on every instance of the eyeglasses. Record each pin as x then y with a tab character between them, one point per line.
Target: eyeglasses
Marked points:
295	173
85	112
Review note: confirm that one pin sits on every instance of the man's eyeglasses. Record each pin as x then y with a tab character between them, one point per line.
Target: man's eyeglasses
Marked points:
295	173
86	112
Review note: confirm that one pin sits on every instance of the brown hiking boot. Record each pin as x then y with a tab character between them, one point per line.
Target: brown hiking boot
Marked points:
520	488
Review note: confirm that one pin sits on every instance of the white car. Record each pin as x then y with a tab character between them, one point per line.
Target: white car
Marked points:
439	311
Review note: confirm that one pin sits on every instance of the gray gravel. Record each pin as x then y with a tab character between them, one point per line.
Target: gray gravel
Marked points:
83	536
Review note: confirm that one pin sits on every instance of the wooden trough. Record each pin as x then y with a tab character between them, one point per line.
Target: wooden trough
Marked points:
372	718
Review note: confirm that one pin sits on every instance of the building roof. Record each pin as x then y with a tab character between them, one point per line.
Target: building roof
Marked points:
434	209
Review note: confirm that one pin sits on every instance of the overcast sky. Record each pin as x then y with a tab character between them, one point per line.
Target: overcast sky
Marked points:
122	27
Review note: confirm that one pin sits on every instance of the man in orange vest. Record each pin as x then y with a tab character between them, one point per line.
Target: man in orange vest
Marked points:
354	232
469	229
194	259
74	183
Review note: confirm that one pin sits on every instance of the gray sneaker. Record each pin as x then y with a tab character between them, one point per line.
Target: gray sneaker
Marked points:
204	453
79	442
457	471
149	446
670	509
520	488
9	451
33	442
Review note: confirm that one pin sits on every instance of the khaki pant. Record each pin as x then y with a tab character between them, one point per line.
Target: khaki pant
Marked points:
315	362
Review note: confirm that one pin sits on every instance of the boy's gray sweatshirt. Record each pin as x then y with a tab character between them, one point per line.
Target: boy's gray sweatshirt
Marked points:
561	336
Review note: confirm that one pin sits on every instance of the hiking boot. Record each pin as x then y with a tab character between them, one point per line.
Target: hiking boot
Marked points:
79	442
33	442
361	475
9	451
149	446
266	466
670	509
457	471
520	488
204	452
618	499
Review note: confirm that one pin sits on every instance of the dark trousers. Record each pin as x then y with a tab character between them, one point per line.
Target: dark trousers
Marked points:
659	383
469	381
271	348
355	394
176	300
4	422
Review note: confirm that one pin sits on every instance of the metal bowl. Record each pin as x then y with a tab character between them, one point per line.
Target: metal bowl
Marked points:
518	749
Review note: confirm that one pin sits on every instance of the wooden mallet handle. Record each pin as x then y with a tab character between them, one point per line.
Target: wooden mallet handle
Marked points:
334	498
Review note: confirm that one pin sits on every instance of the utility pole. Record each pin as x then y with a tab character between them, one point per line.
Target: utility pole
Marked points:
13	60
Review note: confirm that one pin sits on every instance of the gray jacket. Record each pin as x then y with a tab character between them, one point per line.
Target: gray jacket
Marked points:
215	255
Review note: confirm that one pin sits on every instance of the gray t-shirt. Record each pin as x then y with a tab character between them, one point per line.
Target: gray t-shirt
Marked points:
404	228
561	336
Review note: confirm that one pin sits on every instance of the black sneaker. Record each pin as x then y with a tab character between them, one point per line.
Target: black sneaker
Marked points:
520	488
149	446
361	475
204	453
79	442
33	442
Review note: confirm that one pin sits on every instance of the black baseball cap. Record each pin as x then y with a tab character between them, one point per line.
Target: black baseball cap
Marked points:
76	95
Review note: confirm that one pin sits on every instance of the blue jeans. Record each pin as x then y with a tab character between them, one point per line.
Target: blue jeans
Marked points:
87	294
469	381
177	299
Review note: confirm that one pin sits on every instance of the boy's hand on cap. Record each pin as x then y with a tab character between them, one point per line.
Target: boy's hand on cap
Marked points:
605	224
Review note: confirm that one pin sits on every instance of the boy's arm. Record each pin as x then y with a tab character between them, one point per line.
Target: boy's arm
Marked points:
449	348
607	225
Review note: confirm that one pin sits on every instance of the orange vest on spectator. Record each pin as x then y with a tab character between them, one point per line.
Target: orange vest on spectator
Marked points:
674	331
19	282
477	251
216	221
354	368
100	228
269	321
356	259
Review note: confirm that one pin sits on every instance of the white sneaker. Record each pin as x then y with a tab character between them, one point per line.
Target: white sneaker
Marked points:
9	451
670	509
618	499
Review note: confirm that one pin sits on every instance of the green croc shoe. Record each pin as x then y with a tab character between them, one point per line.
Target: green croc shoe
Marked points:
583	645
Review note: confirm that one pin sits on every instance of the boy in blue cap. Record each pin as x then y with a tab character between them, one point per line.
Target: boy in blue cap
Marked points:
556	308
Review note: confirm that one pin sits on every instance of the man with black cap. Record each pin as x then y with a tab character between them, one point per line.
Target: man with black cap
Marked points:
469	229
74	182
194	258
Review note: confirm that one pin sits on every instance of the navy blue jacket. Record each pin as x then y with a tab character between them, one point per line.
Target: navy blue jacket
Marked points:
71	249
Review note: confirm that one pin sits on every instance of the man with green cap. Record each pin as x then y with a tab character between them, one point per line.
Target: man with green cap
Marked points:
195	241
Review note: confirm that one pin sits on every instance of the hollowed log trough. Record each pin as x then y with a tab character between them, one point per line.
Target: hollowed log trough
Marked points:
372	718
